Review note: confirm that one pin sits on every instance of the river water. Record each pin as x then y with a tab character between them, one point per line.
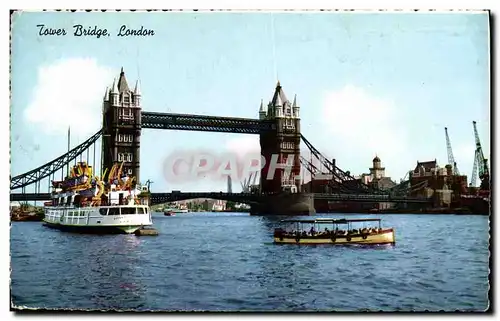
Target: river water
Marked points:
227	262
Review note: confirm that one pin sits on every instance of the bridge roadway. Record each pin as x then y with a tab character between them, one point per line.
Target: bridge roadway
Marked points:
249	198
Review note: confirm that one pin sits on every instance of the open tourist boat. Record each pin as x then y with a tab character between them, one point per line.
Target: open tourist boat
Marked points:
83	203
334	231
174	210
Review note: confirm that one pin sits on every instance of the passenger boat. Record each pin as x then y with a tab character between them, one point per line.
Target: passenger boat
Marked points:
334	231
90	205
173	211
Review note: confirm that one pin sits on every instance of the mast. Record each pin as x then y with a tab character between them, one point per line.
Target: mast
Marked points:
69	141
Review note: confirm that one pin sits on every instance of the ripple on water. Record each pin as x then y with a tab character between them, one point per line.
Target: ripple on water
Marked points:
226	262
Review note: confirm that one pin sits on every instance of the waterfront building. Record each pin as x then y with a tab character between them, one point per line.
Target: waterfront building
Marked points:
440	182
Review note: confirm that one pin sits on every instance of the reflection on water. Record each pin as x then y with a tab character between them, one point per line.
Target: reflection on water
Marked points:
224	261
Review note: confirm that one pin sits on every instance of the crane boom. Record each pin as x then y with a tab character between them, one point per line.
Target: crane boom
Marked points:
254	178
451	159
484	172
474	171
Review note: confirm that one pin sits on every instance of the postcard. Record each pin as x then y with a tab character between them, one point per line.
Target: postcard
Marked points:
250	161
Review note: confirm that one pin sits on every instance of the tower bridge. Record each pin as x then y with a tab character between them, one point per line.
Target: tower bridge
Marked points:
279	130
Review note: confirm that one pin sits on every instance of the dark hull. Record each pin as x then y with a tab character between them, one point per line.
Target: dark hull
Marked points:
86	229
301	204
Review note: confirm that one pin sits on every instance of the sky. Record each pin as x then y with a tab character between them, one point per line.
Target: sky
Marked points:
368	84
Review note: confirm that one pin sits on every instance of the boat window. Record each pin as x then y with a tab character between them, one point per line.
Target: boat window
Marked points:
114	211
128	210
140	210
103	211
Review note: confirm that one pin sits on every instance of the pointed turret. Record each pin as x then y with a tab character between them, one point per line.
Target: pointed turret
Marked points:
295	108
279	97
262	111
106	94
122	82
115	87
137	89
114	94
278	102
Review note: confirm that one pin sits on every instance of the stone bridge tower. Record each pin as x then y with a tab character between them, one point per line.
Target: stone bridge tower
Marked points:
283	142
122	127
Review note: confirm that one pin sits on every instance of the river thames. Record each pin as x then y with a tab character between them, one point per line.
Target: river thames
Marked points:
227	262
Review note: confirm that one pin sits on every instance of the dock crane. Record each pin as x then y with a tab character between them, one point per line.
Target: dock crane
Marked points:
474	171
248	183
451	159
481	163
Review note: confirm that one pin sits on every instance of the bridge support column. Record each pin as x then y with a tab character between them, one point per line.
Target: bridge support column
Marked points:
285	204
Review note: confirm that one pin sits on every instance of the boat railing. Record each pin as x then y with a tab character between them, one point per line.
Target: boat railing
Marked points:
279	232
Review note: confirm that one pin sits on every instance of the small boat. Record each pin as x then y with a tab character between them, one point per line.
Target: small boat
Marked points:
342	232
173	211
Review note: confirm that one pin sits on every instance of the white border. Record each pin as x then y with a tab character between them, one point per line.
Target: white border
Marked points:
146	4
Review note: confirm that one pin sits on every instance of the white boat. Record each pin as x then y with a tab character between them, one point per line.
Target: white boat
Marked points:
108	209
173	211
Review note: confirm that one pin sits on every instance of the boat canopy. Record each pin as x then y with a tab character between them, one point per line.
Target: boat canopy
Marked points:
331	220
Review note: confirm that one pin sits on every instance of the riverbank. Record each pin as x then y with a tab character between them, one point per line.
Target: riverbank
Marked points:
26	215
430	211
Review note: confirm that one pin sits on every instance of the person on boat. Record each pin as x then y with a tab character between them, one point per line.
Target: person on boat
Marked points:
312	231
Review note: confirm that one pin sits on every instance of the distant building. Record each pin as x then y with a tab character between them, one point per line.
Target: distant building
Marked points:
14	205
214	205
428	180
376	177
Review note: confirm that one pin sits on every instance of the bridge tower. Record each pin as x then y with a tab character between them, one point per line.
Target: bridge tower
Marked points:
284	142
122	127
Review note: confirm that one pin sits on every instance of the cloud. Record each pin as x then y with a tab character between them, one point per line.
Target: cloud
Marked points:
69	92
361	125
243	145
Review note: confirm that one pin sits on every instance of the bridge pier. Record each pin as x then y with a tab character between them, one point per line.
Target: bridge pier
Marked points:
285	204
